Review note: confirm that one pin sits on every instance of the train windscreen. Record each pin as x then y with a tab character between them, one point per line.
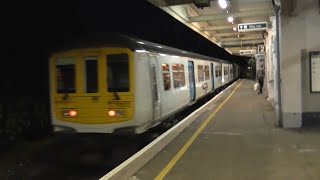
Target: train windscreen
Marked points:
118	72
65	69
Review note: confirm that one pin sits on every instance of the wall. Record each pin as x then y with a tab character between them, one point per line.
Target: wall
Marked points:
270	57
299	36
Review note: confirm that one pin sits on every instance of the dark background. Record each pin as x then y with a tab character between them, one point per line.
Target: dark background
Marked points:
31	31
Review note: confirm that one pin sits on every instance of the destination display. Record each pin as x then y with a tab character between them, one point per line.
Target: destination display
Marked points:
315	71
257	26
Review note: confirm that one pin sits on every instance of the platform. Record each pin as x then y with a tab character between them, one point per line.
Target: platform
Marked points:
237	137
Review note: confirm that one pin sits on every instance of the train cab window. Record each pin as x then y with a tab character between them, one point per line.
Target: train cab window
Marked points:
206	72
118	72
166	76
178	75
91	72
200	73
66	75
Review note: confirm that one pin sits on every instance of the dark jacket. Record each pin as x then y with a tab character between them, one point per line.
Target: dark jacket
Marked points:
260	73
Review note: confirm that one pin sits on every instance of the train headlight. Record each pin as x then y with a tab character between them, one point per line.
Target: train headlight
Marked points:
112	113
116	113
71	113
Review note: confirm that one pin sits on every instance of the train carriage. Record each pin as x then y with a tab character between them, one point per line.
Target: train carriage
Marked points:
128	85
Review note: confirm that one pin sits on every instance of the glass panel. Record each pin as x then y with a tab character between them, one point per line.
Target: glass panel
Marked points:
166	76
178	75
118	72
206	72
200	73
65	74
91	70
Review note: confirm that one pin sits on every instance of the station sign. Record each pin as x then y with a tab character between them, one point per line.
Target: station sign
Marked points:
247	52
315	72
261	49
257	26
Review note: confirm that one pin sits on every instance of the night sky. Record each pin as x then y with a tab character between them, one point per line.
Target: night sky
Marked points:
33	30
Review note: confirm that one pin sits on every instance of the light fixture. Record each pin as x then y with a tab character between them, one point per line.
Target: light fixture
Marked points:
235	29
141	51
230	19
223	4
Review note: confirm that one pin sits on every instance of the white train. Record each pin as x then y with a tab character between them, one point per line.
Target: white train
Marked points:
127	85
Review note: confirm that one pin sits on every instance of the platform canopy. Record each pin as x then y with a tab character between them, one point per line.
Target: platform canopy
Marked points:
243	34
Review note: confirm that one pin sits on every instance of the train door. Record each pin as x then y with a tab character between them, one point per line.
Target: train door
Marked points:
223	71
212	75
191	81
155	88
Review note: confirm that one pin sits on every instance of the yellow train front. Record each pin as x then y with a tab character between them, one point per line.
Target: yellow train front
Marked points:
92	90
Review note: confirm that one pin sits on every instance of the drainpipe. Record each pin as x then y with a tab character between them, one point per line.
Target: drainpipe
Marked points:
277	8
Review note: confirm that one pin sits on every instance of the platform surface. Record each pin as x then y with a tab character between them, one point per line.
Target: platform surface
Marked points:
239	139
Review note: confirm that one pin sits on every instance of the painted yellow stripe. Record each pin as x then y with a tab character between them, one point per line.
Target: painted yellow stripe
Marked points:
169	166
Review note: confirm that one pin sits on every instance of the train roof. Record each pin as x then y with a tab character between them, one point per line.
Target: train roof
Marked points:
133	43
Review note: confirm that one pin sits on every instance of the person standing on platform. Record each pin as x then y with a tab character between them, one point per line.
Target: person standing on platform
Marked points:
260	77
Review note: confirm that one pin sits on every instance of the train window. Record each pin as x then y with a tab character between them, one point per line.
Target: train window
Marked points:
66	76
200	73
91	71
206	72
178	75
217	71
166	76
118	72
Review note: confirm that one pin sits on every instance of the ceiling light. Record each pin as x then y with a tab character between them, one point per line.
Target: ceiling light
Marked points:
230	19
223	4
141	51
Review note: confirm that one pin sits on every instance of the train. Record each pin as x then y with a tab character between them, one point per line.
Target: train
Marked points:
126	85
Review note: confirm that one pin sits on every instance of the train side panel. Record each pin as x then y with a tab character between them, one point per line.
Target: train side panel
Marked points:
202	77
143	96
174	84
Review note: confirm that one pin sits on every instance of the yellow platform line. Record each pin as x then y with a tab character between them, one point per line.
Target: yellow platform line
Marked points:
173	161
